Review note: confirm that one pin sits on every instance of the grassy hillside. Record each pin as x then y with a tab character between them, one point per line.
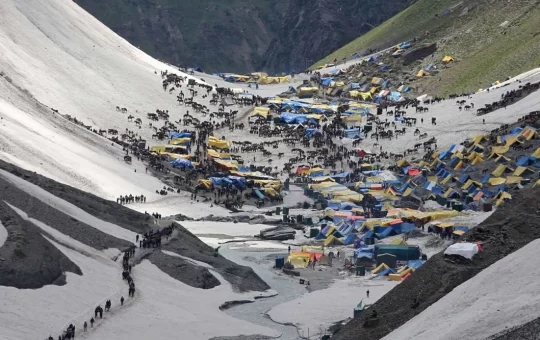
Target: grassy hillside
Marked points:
470	31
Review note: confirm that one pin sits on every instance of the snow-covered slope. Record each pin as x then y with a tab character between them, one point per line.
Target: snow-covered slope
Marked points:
163	307
502	296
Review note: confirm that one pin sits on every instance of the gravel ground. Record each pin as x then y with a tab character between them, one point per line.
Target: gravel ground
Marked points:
511	227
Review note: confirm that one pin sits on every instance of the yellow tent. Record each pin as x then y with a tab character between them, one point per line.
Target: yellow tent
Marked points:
206	183
520	170
536	154
299	260
260	111
478	139
499	171
399	242
448	59
380	268
218	143
179	141
377	81
537	184
332	240
422	73
513	180
477	159
401	163
228	165
496	181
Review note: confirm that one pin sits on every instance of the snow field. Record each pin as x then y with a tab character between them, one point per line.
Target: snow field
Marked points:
322	308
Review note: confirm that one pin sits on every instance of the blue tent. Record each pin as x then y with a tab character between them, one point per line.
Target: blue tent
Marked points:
326	81
355	85
385	68
350	239
179	134
405	45
372	59
182	163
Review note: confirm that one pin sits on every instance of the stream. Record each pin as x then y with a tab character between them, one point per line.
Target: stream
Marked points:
287	289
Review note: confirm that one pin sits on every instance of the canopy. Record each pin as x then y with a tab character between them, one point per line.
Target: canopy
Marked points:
467	250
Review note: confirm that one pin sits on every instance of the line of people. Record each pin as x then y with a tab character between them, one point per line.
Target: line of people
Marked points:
69	333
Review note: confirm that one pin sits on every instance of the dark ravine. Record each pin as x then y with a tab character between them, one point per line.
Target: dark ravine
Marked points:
508	229
21	264
241	35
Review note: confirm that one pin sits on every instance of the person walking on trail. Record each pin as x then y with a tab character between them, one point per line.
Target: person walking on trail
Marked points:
85	326
122	301
367	293
289	249
91	322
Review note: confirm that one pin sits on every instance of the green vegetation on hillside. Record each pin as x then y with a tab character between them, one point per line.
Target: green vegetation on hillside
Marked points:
473	32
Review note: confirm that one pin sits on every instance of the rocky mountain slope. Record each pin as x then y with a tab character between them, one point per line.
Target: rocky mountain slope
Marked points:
491	40
241	35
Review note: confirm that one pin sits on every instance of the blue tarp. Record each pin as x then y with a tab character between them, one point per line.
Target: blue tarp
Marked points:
385	68
291	118
310	132
179	134
341	175
352	133
387	272
182	163
326	81
355	85
404	45
394	96
415	264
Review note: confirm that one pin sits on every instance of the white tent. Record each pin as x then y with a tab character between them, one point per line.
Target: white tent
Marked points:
467	250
